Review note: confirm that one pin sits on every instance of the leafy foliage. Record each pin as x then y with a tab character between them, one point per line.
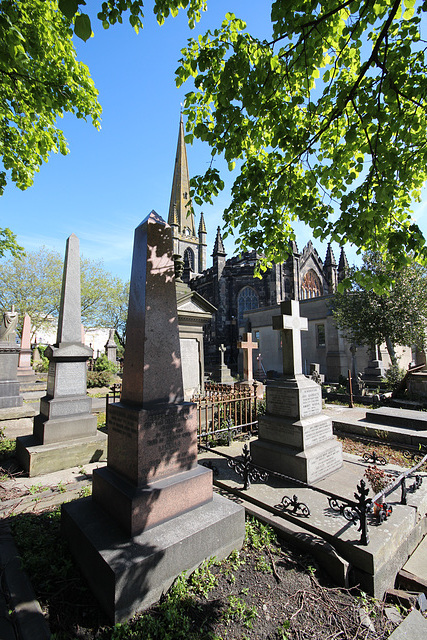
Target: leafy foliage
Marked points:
41	79
33	284
395	316
326	122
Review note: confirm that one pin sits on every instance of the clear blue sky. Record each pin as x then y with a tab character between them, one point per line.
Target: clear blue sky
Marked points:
113	178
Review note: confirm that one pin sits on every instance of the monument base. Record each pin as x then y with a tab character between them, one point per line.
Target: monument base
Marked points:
141	508
130	574
63	428
37	459
310	465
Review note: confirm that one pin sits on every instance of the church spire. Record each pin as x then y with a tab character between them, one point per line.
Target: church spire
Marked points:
218	249
180	196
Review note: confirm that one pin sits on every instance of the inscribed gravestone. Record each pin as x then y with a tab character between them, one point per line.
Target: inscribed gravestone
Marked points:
9	352
153	513
65	431
295	437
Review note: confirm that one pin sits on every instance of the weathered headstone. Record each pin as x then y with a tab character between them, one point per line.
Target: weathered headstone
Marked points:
9	352
152	513
25	371
65	431
221	373
295	437
247	346
111	348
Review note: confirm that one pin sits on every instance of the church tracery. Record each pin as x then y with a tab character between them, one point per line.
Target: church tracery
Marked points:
246	300
311	286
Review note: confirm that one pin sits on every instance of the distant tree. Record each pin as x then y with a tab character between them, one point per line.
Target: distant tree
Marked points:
324	120
396	317
33	284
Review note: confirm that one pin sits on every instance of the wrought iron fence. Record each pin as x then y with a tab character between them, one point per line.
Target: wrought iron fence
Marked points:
226	411
355	511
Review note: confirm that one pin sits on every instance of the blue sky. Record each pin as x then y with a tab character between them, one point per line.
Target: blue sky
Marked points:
113	178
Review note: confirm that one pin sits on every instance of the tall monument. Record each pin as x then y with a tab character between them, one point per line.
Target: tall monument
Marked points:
295	436
65	431
153	513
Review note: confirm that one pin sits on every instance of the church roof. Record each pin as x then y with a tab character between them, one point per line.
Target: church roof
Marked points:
180	196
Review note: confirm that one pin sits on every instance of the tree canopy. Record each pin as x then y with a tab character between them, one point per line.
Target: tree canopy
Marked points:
33	284
325	122
398	317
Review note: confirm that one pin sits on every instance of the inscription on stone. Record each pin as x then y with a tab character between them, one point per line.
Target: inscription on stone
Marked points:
316	433
282	402
311	402
324	464
190	363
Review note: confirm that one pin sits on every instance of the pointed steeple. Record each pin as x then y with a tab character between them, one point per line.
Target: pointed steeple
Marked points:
330	270
218	249
180	195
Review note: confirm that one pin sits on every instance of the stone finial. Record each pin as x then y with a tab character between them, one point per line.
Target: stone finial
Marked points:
152	363
219	245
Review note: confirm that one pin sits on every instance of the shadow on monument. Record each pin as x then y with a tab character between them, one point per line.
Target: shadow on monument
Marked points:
153	513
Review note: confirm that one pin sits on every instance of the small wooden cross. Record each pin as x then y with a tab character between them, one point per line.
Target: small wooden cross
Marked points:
247	347
290	324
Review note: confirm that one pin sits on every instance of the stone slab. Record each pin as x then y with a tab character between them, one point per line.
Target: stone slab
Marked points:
310	465
414	627
37	459
138	509
402	418
129	574
304	433
15	413
27	614
417	563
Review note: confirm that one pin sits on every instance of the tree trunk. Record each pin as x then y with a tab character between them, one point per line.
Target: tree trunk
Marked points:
391	351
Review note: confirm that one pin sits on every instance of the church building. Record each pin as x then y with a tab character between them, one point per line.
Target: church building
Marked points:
244	302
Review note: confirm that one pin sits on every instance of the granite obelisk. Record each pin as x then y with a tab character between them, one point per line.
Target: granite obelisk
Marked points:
153	513
65	431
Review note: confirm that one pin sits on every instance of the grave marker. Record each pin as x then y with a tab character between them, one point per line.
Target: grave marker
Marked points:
247	346
153	513
295	436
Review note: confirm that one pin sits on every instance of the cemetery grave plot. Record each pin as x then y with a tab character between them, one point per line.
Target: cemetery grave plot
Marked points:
267	590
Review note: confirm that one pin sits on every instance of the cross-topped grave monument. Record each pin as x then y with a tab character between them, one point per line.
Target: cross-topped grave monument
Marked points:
247	346
221	372
153	513
295	437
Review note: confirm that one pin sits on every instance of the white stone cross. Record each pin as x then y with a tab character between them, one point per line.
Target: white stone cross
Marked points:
247	347
290	324
222	351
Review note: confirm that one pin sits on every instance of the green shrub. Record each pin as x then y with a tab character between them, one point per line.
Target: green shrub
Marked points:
102	363
394	376
99	379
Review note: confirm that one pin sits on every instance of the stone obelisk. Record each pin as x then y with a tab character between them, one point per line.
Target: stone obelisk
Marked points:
65	431
25	373
153	513
295	436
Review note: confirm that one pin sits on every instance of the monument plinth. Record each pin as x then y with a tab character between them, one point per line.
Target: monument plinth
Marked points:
295	436
65	431
153	513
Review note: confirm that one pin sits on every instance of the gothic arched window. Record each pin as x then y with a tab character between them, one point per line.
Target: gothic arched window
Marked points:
246	300
189	259
311	286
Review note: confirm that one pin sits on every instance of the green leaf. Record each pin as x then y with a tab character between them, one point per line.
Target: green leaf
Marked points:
82	26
